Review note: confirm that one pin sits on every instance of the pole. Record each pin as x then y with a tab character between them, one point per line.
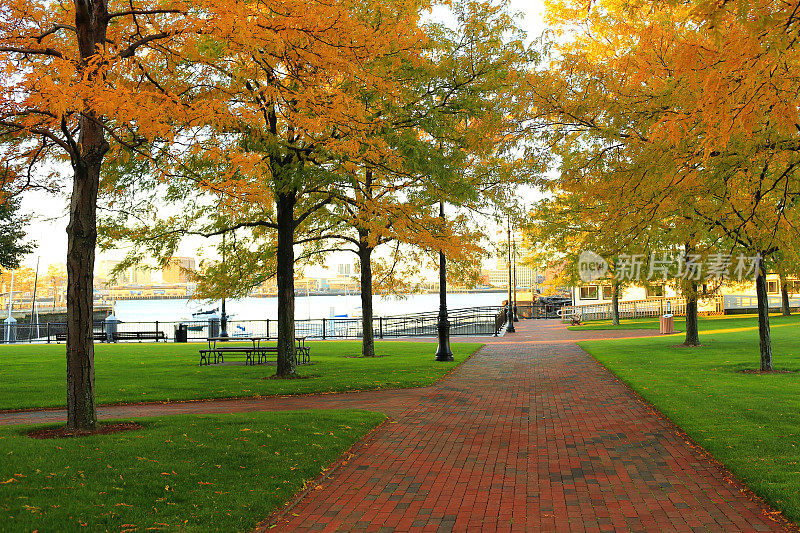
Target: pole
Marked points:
514	258
509	313
443	352
223	322
33	304
11	294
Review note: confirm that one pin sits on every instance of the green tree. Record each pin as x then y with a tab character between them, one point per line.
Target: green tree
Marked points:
12	235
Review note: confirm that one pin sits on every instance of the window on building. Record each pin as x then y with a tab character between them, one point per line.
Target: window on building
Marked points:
772	286
589	292
656	291
608	292
793	286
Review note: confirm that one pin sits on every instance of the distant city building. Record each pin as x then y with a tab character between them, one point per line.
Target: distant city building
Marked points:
147	293
343	283
344	269
133	275
177	270
526	277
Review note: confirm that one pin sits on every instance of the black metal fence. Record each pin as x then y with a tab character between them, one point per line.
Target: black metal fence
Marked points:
475	321
465	321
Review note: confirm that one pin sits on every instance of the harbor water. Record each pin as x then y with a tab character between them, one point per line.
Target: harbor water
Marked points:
313	307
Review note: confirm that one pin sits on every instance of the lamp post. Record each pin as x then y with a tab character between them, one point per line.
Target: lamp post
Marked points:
514	258
510	313
443	352
223	322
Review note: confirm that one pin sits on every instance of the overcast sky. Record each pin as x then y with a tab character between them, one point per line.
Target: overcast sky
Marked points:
48	228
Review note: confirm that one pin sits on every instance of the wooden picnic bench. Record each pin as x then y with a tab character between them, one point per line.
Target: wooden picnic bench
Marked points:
255	350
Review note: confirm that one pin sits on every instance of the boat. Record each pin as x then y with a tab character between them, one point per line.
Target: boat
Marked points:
239	331
200	318
202	315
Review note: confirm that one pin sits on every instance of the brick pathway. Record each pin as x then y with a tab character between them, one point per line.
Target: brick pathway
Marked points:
529	435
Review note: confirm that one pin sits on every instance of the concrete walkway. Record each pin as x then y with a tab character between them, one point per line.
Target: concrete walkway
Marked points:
530	434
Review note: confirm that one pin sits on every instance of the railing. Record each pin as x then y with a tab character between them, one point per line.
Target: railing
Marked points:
737	302
465	321
539	310
643	308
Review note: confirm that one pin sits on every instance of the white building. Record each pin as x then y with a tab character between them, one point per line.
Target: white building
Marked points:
730	297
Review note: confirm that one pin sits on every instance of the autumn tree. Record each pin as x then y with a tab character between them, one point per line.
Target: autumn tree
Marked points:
286	114
318	121
677	91
23	279
80	75
451	134
787	264
55	279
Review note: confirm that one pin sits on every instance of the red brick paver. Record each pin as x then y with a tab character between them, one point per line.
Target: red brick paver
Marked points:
528	436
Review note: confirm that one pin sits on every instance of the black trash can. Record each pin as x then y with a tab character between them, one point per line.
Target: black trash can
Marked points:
181	333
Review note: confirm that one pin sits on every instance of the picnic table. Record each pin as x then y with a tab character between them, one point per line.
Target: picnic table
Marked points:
255	349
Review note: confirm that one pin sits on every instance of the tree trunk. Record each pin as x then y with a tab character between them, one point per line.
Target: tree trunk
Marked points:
91	22
785	297
615	303
81	241
692	328
368	332
287	362
764	341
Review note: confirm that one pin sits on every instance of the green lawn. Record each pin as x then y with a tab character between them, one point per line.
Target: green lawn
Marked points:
627	323
35	376
749	422
188	473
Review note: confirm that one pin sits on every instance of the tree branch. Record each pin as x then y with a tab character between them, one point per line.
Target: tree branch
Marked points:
53	30
32	51
142	12
131	50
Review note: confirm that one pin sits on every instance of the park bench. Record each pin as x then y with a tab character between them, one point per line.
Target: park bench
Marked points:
140	336
255	352
122	336
97	335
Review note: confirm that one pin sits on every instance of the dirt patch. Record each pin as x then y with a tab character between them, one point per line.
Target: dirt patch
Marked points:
296	376
756	371
686	346
65	433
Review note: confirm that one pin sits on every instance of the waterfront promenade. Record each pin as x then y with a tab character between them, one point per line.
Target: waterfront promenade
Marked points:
529	434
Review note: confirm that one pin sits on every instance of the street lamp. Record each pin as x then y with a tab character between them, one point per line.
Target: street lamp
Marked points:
223	322
510	313
443	352
514	257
